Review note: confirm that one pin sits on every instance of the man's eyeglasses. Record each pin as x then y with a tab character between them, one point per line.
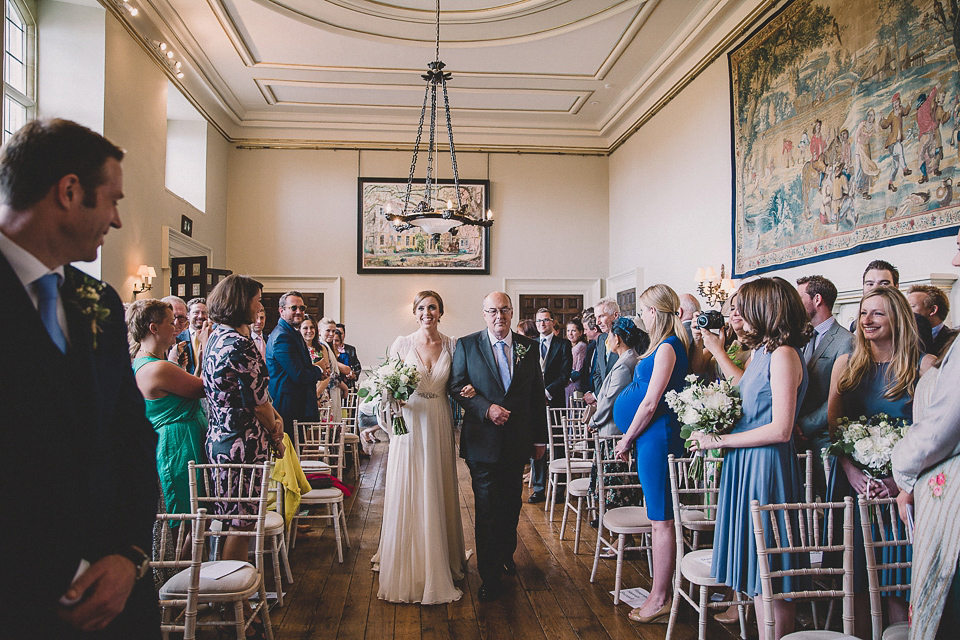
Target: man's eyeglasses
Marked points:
544	320
297	307
180	318
501	311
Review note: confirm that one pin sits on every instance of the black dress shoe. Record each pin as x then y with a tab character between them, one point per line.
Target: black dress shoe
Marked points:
510	567
489	592
537	496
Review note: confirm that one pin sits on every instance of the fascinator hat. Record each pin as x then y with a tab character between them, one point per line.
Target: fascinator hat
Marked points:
626	330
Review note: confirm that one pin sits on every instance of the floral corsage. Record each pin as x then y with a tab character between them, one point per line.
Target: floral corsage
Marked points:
86	296
519	350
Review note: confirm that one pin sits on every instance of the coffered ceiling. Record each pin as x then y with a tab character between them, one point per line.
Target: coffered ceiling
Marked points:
570	76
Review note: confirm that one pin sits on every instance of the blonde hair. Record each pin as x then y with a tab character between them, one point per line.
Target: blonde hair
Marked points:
667	322
139	316
902	373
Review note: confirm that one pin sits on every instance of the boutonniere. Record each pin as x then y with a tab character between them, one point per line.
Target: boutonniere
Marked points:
86	298
519	350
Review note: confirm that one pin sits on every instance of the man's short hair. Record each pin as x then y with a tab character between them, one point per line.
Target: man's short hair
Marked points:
174	300
42	152
590	320
935	296
883	265
546	311
194	301
607	304
689	304
289	294
820	285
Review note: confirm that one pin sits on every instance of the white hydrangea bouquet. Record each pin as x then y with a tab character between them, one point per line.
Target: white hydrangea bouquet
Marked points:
869	442
393	383
712	408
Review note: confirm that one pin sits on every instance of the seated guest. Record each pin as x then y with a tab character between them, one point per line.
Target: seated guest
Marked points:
172	396
528	328
575	335
881	273
931	303
878	377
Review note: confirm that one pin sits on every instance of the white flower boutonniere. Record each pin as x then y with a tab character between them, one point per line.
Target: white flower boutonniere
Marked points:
86	298
519	350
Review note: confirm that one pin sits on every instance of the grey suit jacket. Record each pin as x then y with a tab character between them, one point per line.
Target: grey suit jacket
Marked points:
616	381
813	411
603	361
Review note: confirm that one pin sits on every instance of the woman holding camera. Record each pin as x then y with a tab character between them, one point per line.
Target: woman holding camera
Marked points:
720	355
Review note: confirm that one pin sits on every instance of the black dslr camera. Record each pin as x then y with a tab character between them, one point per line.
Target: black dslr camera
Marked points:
710	320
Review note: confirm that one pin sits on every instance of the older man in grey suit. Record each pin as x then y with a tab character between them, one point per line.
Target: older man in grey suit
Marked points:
607	311
829	341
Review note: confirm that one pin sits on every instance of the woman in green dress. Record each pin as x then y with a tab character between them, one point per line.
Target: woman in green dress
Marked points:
172	397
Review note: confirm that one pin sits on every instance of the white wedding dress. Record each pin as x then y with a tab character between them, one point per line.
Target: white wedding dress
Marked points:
421	538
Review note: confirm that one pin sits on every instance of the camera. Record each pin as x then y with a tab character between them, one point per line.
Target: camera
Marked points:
710	320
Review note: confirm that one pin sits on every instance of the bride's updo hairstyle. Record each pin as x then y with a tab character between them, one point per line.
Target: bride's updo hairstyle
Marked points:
420	297
773	310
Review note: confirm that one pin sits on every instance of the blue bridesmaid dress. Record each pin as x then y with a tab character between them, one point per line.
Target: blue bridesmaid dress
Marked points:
768	474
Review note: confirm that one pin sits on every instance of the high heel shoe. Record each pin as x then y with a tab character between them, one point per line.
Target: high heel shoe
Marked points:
661	616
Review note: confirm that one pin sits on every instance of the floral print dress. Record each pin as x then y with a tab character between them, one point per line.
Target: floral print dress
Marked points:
235	379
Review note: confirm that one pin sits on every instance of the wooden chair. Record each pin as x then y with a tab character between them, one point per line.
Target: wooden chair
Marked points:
558	467
883	532
619	521
327	439
695	511
781	529
196	524
577	444
236	586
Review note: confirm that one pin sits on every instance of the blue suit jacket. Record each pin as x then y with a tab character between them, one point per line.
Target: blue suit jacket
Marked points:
293	378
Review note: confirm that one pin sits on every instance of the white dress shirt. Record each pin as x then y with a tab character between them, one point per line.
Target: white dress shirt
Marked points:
28	270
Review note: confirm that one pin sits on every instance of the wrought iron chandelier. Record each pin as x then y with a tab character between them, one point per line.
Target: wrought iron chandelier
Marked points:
423	214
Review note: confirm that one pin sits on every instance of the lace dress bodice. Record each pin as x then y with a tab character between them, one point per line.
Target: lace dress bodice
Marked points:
433	382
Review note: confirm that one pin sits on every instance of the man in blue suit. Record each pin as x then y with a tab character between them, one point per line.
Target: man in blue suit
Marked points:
78	445
293	377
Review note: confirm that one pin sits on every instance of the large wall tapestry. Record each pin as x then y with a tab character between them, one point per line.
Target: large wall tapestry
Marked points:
383	249
845	130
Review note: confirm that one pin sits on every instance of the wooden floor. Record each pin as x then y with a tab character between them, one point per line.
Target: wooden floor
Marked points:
551	597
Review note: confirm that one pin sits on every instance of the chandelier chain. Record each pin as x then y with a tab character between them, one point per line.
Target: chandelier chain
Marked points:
453	153
438	30
416	149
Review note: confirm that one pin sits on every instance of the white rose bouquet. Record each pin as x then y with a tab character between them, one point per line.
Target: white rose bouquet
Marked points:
712	408
869	442
393	383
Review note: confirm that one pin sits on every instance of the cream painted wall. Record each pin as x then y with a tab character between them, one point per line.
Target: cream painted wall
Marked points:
135	118
670	200
294	213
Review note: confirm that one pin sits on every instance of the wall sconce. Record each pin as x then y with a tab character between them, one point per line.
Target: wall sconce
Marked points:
716	289
147	274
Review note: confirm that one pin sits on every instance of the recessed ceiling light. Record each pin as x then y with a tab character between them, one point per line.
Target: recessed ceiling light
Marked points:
608	86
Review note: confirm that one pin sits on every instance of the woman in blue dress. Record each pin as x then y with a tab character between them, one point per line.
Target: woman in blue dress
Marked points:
761	461
880	376
641	413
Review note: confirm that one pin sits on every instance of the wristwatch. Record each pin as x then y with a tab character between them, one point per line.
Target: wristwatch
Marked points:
140	560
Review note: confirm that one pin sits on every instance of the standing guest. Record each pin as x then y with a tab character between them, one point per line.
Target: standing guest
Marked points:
880	376
343	356
926	464
196	317
350	350
293	377
607	313
931	303
576	338
256	333
592	332
179	353
71	405
761	461
642	415
172	397
829	342
555	363
337	389
243	423
881	273
319	357
689	308
721	355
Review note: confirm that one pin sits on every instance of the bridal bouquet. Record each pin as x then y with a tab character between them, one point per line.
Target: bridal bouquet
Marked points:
393	383
712	408
869	442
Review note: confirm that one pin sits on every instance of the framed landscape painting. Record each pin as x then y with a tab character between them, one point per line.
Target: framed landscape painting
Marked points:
383	249
846	130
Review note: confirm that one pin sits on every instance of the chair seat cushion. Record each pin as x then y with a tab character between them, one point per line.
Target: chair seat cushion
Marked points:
273	524
331	494
695	567
315	466
351	437
818	635
897	631
578	487
693	515
577	466
240	581
627	520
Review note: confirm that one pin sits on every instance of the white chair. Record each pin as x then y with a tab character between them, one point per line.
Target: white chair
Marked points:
351	438
275	530
577	442
196	524
619	521
313	459
695	511
240	585
558	467
781	529
878	517
328	439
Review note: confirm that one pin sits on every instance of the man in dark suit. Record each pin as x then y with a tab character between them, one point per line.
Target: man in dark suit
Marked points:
503	423
829	341
556	361
293	377
932	303
592	332
196	317
79	447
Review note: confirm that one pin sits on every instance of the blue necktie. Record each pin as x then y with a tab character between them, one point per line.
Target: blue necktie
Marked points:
48	290
503	363
543	348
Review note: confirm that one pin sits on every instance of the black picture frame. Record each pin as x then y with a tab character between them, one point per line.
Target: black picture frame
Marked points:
186	226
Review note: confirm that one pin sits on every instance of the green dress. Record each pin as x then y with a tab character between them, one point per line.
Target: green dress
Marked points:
182	430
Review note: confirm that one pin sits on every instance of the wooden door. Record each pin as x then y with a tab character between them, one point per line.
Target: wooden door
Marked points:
271	305
627	301
564	307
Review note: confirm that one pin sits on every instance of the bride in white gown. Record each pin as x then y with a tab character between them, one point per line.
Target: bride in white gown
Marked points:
421	541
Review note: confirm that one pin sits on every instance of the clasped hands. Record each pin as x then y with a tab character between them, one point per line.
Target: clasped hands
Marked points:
865	485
